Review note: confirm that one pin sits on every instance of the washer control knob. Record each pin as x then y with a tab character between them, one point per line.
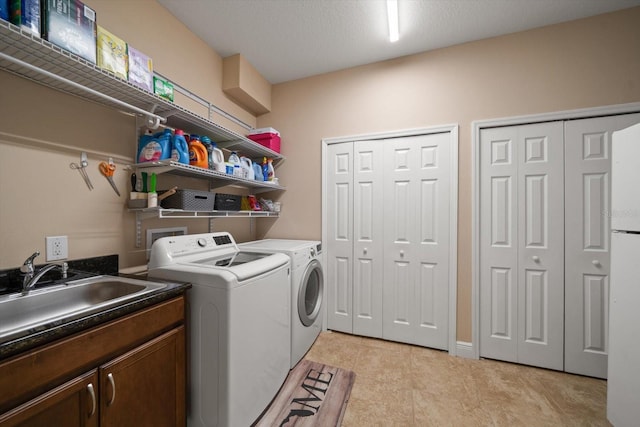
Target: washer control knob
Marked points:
313	252
202	242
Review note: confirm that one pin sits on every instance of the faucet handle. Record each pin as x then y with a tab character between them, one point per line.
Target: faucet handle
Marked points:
27	266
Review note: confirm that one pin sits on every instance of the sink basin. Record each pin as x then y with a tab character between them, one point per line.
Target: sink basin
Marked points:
22	314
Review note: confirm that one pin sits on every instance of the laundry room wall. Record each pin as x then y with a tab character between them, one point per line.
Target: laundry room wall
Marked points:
42	131
585	63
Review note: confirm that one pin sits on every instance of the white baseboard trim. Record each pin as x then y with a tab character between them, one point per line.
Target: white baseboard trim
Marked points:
465	349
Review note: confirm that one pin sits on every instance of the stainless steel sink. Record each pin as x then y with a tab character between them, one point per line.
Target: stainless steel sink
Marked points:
21	314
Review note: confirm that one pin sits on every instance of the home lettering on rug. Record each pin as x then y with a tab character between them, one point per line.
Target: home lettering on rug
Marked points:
319	383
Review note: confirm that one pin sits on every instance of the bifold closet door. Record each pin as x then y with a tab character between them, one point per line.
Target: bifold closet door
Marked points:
587	231
354	205
339	272
416	239
522	244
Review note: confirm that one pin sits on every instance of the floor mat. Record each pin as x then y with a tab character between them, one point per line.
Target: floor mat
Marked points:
313	394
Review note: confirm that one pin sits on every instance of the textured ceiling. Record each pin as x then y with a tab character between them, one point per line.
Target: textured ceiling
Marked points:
291	39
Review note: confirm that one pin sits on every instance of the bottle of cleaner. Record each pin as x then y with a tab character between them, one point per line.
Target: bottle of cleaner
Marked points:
217	158
271	172
149	148
257	172
265	169
206	141
179	148
235	161
197	153
247	168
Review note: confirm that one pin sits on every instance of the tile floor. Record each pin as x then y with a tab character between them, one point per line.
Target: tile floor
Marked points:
404	385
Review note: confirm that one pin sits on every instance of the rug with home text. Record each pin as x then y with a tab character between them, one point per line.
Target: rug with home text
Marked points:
313	395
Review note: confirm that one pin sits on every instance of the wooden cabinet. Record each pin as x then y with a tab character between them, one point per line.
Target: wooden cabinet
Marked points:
128	372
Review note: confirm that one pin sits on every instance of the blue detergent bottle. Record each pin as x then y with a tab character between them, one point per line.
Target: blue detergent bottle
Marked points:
149	148
179	148
164	138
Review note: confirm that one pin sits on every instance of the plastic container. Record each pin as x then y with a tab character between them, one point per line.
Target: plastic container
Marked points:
257	172
179	148
217	158
197	153
247	168
271	172
206	141
154	147
265	169
267	137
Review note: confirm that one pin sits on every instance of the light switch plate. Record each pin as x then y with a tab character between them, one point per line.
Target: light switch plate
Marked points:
57	248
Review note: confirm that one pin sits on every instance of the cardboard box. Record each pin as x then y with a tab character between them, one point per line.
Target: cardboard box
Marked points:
26	15
111	53
71	25
140	69
163	88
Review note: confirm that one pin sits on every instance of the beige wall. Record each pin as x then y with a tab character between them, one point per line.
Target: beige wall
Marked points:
585	63
42	131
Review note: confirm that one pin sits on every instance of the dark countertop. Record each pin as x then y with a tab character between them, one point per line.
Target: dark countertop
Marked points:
64	327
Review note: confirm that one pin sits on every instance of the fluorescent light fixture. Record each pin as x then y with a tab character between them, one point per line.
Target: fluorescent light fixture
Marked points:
392	15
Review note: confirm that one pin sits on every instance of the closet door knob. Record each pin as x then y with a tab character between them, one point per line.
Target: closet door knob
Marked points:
401	253
596	263
535	258
364	251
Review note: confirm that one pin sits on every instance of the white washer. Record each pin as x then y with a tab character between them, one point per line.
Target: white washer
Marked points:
307	284
238	320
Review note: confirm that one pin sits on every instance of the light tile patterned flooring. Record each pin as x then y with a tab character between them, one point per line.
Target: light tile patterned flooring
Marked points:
404	385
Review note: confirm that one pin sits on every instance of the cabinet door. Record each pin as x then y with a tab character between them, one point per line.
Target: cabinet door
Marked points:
146	386
587	204
367	238
72	404
339	268
416	239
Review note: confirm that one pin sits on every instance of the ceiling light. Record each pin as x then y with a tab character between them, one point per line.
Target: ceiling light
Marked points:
392	15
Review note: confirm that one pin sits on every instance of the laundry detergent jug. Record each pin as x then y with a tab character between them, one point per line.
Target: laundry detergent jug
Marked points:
247	168
217	158
197	153
257	172
179	148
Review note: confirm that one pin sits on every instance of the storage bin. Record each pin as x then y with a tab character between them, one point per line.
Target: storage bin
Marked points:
227	202
189	200
268	137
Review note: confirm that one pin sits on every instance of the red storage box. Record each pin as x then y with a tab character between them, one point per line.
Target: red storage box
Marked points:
268	137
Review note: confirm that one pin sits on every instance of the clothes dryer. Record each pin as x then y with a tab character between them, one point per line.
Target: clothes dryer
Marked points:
307	288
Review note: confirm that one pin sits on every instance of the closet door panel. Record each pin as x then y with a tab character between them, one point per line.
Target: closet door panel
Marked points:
541	245
587	207
339	269
499	243
367	239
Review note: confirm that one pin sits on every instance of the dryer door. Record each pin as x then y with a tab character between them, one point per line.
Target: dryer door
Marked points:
310	293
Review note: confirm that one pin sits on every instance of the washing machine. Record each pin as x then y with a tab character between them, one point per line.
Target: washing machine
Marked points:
238	324
307	285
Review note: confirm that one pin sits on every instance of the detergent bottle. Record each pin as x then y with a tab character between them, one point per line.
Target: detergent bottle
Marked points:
247	168
257	172
206	141
179	148
164	138
271	172
217	158
265	169
149	148
235	161
197	153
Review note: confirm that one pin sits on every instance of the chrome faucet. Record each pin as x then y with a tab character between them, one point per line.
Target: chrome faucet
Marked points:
31	276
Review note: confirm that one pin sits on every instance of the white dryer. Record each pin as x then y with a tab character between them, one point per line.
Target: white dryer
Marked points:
307	288
238	324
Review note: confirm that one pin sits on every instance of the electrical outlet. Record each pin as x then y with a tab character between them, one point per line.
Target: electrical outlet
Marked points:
57	248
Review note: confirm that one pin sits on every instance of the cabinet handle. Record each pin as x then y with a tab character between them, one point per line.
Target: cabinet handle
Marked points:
596	263
536	258
113	389
92	393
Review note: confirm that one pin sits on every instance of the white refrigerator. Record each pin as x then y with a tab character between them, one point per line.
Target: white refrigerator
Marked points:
623	379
